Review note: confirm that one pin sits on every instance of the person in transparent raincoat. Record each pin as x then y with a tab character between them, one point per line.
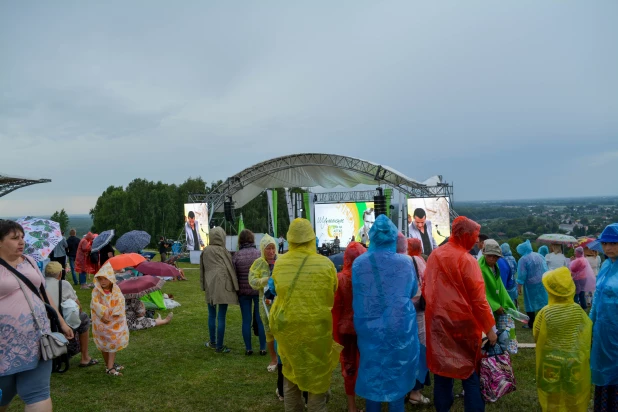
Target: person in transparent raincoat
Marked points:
530	269
604	354
562	332
510	259
383	283
543	251
301	320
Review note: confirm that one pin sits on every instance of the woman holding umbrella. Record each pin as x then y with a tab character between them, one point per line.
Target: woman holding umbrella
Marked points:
83	264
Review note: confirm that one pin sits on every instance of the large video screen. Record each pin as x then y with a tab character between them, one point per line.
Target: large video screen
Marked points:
348	221
437	210
196	223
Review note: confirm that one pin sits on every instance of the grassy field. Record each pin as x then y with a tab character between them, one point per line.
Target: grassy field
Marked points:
169	369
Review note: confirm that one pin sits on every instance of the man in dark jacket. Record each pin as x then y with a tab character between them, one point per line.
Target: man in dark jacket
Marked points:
73	242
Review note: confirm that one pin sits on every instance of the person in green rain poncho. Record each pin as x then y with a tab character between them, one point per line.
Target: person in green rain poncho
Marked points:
497	295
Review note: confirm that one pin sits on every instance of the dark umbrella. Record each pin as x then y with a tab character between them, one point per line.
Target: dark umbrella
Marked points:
133	241
135	288
337	260
158	269
103	239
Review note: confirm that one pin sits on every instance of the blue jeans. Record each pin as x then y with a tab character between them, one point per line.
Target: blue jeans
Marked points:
443	394
214	318
82	278
72	264
394	406
248	313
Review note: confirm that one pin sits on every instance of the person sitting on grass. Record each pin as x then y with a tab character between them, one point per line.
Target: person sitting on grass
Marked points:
562	332
53	275
109	322
136	316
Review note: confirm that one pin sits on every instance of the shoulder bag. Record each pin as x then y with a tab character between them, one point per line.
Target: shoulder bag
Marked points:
54	344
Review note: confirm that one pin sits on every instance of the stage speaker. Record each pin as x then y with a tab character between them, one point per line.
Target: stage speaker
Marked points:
379	205
228	210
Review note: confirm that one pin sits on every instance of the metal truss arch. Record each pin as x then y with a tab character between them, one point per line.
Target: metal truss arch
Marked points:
351	172
9	184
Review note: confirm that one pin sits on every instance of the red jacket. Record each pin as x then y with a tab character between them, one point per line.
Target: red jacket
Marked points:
82	258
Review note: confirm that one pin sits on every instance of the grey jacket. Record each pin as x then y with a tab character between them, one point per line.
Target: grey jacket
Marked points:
413	232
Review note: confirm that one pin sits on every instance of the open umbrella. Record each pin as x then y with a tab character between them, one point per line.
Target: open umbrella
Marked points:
125	260
135	288
133	241
41	236
103	239
158	269
556	238
594	245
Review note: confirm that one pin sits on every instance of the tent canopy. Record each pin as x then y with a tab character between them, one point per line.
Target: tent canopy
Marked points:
310	170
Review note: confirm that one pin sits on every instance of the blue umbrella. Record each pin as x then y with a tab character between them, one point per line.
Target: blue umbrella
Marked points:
595	245
103	239
133	241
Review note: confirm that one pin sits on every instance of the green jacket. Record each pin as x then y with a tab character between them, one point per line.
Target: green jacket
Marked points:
496	293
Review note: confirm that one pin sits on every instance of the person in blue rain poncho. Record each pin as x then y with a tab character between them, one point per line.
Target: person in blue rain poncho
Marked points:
383	283
543	251
511	284
530	271
604	354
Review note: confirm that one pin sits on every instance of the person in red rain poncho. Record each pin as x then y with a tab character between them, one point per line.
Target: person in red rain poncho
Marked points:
343	322
456	315
83	264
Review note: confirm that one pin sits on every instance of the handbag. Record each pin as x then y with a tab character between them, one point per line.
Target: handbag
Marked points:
53	345
497	378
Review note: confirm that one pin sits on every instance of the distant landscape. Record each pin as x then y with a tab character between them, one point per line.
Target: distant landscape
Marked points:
510	221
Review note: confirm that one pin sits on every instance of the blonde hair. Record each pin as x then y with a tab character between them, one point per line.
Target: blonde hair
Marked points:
53	269
556	248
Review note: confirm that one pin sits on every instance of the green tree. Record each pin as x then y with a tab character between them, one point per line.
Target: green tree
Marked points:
61	218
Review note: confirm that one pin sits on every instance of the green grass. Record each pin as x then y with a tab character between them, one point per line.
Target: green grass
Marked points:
169	369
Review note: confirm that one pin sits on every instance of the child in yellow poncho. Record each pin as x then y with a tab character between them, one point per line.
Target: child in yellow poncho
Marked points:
563	335
109	322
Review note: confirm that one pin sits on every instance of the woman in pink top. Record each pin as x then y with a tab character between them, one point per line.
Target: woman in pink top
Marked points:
19	343
583	276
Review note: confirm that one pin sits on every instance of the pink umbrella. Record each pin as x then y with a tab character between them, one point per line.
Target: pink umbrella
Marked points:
135	288
158	269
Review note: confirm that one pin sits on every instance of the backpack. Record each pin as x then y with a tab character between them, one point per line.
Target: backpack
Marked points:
94	257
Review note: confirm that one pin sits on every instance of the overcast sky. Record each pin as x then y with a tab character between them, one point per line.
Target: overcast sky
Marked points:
507	100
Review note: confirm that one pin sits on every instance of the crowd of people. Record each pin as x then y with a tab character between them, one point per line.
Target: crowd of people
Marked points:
399	311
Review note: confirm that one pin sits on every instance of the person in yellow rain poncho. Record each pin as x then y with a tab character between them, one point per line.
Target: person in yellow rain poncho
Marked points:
563	334
259	273
301	319
109	321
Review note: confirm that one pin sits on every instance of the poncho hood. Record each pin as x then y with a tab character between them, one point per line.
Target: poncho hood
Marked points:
559	285
524	248
465	232
402	244
506	249
267	240
543	250
352	251
383	235
415	247
89	237
300	231
217	237
106	272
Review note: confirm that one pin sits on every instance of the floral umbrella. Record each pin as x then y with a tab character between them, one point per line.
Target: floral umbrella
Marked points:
557	238
41	236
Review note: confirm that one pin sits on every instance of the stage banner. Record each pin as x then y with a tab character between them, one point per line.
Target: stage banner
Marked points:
437	211
307	206
196	222
347	221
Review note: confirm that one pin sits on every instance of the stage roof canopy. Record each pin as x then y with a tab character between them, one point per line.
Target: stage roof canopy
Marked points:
10	183
310	170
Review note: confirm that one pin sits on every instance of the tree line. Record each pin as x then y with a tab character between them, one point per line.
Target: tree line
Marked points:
158	209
